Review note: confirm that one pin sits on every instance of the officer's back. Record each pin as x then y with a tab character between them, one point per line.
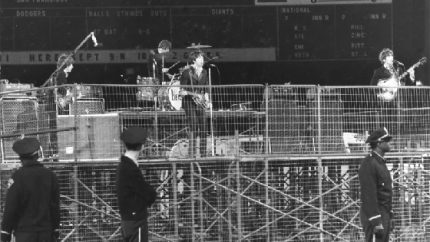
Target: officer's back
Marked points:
32	201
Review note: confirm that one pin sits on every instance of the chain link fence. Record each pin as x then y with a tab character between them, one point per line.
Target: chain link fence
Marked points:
282	162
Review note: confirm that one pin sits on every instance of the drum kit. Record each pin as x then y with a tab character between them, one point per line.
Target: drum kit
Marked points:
167	95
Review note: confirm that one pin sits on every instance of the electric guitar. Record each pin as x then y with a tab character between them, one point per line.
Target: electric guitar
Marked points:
390	85
200	99
64	100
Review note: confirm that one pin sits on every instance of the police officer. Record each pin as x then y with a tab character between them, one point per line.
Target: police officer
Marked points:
32	210
376	189
134	194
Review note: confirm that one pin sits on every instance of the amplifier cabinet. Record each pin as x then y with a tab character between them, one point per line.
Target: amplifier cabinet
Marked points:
287	126
18	116
87	106
97	137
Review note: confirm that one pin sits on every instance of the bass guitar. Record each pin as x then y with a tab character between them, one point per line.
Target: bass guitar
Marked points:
200	99
390	85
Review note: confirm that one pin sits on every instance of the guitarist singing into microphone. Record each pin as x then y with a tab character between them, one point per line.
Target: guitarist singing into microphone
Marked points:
391	69
389	77
194	82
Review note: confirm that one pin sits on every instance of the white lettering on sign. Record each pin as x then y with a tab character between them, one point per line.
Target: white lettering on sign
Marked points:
98	13
130	13
222	11
134	56
31	13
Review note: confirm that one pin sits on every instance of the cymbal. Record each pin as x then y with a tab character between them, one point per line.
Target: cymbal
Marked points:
198	46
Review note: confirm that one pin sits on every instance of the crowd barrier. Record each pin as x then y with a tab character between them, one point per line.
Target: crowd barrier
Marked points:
283	166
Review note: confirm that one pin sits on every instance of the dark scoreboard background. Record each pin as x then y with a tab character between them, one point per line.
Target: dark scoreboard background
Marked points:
313	44
334	32
324	32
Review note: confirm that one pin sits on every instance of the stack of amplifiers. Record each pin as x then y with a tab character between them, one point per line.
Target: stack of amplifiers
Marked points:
18	116
87	106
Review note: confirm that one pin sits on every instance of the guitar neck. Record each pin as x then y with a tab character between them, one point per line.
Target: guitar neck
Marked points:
194	93
419	63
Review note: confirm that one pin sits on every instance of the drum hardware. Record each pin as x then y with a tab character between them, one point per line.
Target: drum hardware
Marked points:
173	65
198	46
147	88
241	106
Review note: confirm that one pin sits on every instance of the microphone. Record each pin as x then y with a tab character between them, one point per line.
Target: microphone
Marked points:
213	58
398	63
209	61
93	38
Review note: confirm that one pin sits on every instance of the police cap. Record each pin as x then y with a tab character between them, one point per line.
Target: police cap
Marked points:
134	135
26	146
380	135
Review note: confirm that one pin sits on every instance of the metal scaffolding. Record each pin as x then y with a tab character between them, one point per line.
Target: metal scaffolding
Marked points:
282	166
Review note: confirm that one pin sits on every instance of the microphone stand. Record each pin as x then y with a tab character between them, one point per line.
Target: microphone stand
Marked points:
55	92
211	112
68	56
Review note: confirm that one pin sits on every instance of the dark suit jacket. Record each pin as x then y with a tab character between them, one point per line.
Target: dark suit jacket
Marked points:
134	194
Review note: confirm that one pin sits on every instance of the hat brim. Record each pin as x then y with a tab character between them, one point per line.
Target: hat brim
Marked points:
387	139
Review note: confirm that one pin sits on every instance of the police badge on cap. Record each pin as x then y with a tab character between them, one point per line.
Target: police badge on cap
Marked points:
26	147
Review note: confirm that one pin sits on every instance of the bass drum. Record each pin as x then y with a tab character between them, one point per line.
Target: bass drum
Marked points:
168	96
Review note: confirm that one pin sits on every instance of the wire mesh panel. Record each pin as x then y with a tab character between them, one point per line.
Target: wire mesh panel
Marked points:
97	137
289	123
18	115
326	111
284	167
231	200
234	122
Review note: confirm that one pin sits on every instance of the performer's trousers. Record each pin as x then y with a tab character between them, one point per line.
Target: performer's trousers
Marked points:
197	123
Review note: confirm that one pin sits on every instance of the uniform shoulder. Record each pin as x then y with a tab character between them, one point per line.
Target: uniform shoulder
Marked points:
367	161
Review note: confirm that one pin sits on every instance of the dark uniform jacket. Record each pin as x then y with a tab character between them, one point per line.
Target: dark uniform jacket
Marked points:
376	187
133	192
32	201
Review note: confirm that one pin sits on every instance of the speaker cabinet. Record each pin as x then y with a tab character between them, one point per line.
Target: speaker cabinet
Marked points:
97	137
287	126
87	106
331	123
18	116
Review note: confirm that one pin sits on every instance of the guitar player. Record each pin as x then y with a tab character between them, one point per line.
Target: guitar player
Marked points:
57	99
391	69
389	75
194	82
